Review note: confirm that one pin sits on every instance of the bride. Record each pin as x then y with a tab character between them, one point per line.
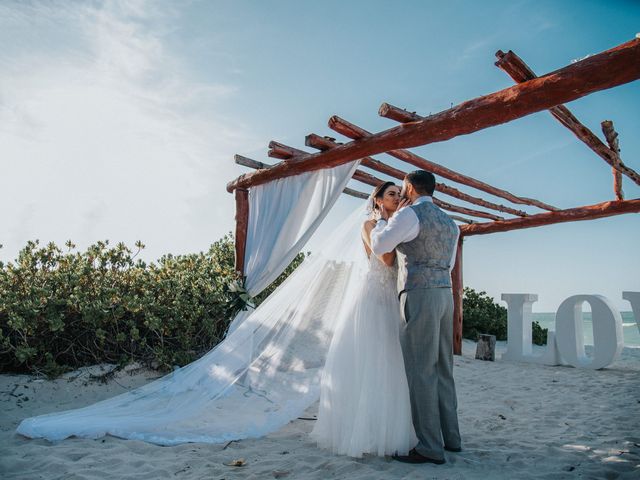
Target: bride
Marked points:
364	396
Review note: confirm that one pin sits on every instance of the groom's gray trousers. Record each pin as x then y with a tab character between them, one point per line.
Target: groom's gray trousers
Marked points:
427	347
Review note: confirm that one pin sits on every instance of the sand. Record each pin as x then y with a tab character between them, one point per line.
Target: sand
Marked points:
517	421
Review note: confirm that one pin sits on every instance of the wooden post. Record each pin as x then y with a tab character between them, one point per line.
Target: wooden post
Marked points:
458	292
242	222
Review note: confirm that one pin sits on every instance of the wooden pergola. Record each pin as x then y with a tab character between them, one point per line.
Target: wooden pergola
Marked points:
531	94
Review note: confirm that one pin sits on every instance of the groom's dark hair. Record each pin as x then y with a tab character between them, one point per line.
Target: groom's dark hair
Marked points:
424	182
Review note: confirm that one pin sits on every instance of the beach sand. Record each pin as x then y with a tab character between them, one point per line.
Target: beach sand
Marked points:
517	421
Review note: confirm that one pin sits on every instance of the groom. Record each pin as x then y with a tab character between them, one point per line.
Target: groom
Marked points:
425	240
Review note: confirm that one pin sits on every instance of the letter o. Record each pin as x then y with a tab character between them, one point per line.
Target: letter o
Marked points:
607	331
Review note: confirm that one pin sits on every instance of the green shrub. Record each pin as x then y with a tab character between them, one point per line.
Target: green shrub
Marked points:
62	310
481	315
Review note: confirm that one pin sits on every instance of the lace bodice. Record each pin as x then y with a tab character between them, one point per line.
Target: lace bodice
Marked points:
385	275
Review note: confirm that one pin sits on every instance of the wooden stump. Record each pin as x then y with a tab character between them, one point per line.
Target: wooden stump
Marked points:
486	349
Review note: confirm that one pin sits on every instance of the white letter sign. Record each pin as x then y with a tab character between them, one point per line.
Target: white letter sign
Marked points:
519	329
607	331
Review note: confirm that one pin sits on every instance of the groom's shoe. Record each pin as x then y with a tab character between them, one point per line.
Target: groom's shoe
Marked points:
453	449
415	457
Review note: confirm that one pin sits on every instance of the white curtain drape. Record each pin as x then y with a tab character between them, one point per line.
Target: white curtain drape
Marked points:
283	215
267	370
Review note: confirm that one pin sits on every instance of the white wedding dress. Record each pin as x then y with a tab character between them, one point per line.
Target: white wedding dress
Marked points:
364	396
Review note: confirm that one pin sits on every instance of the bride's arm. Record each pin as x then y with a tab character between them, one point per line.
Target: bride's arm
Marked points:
388	258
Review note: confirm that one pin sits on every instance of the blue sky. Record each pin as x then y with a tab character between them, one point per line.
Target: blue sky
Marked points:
119	120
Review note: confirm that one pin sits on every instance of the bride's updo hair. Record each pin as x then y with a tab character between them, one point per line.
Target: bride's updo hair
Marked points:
379	193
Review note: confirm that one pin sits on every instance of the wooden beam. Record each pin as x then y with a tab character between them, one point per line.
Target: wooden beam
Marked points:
248	162
285	152
612	139
589	212
401	115
462	219
369	179
354	132
242	222
519	71
466	211
457	287
326	143
608	69
355	193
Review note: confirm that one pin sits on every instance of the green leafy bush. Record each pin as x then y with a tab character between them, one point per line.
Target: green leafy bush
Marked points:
481	315
62	310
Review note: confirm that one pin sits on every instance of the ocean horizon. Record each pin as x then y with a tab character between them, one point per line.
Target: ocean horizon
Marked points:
630	331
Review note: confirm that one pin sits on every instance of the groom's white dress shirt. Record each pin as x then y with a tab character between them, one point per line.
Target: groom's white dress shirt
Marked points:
402	227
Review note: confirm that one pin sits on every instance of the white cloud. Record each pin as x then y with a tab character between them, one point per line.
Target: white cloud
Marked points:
105	133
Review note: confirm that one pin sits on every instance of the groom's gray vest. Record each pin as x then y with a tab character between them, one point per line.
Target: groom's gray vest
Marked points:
425	261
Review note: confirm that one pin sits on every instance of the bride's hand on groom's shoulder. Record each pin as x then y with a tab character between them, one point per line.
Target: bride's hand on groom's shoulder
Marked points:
383	214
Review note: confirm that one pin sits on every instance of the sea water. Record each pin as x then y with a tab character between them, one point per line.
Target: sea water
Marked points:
630	331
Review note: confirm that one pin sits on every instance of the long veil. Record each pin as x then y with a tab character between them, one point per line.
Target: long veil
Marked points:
265	373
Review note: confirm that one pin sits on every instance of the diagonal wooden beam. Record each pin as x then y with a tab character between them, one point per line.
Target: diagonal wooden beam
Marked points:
354	132
372	180
608	69
519	71
248	162
612	139
589	212
326	143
